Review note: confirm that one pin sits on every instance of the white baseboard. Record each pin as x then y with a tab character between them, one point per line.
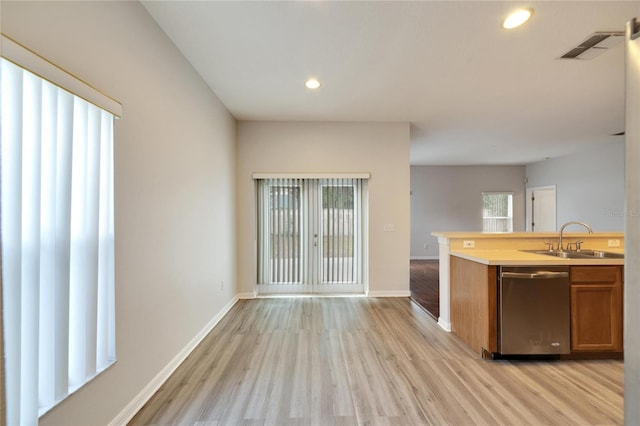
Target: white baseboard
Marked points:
445	325
424	257
152	387
402	293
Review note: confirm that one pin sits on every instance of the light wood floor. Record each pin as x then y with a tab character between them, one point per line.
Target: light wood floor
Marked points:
347	361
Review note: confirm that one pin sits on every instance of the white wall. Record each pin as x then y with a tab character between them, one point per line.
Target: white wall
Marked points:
449	198
381	149
589	185
174	187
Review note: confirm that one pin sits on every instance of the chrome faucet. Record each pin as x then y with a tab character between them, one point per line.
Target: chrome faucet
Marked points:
571	223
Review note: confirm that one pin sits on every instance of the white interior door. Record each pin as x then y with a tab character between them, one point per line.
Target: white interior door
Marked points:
541	209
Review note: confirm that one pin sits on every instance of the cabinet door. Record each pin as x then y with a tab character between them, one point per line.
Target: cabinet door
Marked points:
596	308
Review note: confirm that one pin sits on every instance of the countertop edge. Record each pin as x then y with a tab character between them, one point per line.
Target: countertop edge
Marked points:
520	258
490	235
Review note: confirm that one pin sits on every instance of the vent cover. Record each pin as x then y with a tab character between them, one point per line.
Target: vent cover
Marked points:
595	45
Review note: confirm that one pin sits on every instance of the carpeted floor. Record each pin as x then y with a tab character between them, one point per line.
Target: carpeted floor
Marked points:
424	285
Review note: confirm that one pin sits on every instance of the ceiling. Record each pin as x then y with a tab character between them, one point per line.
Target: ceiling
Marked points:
473	92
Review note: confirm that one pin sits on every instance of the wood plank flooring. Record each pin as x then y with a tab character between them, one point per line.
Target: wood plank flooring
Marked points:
424	276
355	361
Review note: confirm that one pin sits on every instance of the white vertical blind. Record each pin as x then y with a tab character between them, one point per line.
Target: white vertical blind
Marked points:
340	215
309	234
283	224
57	242
497	212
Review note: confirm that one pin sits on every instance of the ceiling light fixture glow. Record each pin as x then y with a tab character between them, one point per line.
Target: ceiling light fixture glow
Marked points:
312	83
517	18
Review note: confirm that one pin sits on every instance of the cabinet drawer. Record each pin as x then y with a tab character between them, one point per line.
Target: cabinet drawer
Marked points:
594	274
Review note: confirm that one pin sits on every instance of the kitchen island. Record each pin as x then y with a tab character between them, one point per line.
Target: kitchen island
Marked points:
505	247
595	298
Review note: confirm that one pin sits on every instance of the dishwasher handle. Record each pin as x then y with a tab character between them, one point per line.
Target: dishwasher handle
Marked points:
538	275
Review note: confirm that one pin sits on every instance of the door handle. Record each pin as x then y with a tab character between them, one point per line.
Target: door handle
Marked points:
540	275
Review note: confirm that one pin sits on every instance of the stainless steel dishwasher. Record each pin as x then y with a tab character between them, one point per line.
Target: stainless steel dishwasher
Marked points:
534	311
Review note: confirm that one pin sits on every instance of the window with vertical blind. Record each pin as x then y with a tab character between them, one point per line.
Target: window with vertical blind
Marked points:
57	235
310	235
497	212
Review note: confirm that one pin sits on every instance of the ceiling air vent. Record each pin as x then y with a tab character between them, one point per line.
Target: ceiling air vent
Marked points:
596	44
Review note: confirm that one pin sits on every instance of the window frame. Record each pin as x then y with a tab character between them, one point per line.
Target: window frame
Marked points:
508	218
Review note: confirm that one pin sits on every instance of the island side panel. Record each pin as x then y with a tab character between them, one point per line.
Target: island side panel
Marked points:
474	309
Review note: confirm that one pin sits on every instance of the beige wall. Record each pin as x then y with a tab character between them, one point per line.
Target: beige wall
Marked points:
381	149
589	185
174	187
449	198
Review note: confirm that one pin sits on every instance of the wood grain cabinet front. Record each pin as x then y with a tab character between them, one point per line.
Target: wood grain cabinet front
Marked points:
596	308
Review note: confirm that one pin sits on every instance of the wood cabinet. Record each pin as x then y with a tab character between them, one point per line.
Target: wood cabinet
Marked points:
596	308
474	309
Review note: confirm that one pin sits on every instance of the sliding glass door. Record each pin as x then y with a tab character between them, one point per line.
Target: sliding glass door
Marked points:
310	234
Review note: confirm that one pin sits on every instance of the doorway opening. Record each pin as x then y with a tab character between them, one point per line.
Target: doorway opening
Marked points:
424	283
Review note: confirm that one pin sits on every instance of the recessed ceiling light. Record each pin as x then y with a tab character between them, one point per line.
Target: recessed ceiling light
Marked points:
517	18
312	83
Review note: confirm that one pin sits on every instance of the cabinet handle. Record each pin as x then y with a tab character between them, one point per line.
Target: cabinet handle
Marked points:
540	275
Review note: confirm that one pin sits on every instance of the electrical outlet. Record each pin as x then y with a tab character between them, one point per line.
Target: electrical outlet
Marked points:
221	285
426	245
468	244
613	243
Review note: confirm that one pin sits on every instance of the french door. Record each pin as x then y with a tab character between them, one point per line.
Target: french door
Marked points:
310	234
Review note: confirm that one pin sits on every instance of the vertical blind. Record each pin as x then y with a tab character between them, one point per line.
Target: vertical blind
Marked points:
497	212
309	231
340	236
281	217
57	242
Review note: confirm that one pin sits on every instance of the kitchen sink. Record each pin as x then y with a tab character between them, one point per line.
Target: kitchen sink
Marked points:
583	254
563	254
604	254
